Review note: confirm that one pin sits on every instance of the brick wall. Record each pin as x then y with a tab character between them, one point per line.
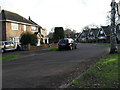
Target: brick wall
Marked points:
13	33
16	33
41	47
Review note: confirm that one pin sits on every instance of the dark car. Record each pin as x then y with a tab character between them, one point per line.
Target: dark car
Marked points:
67	44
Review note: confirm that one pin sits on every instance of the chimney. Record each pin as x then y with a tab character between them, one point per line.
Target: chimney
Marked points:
29	18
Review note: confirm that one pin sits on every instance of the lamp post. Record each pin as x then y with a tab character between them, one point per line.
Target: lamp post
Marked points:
113	48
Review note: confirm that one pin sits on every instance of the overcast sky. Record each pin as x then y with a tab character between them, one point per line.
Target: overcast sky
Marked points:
74	14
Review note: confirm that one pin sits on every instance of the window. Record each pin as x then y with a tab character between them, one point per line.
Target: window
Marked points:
119	27
33	28
63	42
101	32
14	26
25	27
8	43
91	33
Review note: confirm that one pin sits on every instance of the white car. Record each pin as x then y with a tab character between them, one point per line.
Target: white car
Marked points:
7	46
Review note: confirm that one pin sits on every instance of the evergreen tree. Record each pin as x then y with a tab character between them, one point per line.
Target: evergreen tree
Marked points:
58	34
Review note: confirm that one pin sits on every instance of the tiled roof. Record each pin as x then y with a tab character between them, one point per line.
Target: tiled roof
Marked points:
91	34
107	30
79	35
86	32
7	15
32	21
95	31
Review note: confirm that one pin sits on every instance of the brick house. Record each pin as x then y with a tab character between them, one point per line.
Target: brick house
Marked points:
13	25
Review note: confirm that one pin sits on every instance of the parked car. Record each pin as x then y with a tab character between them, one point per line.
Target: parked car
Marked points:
7	46
67	43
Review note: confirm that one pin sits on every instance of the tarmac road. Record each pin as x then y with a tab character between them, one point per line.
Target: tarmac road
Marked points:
50	69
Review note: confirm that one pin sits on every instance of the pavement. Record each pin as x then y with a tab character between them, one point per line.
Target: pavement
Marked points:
50	69
26	53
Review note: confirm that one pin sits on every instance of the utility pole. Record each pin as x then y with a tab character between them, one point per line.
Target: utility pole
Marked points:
113	48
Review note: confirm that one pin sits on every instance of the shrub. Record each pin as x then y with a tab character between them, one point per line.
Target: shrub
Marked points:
27	38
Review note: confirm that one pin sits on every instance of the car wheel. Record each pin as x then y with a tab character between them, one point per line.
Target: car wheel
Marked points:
59	49
71	48
18	48
2	50
75	47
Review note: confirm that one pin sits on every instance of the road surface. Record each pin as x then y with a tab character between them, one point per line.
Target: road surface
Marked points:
50	69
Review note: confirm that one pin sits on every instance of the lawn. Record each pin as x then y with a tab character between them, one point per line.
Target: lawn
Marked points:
53	49
106	44
103	74
10	57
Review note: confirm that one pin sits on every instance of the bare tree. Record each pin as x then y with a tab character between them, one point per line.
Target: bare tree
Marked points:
69	31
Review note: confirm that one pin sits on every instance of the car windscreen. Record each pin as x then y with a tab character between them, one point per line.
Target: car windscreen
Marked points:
8	43
63	42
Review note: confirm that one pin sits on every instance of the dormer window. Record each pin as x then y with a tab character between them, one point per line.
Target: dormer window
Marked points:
119	27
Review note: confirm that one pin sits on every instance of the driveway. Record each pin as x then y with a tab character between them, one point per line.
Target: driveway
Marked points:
50	69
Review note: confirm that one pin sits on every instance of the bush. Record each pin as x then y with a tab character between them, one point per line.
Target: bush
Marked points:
27	38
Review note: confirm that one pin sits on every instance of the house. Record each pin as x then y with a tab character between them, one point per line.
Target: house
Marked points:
107	30
101	35
13	25
84	36
78	37
104	34
91	36
72	35
44	38
95	32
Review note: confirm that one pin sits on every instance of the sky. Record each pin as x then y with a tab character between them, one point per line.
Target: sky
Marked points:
73	14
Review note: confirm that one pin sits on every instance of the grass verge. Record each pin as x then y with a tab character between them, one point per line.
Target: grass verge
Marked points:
53	49
103	74
106	44
10	57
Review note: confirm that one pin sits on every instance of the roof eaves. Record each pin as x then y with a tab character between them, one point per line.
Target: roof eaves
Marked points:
11	16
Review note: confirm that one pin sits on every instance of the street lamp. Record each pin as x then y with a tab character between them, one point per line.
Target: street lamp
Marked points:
113	29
